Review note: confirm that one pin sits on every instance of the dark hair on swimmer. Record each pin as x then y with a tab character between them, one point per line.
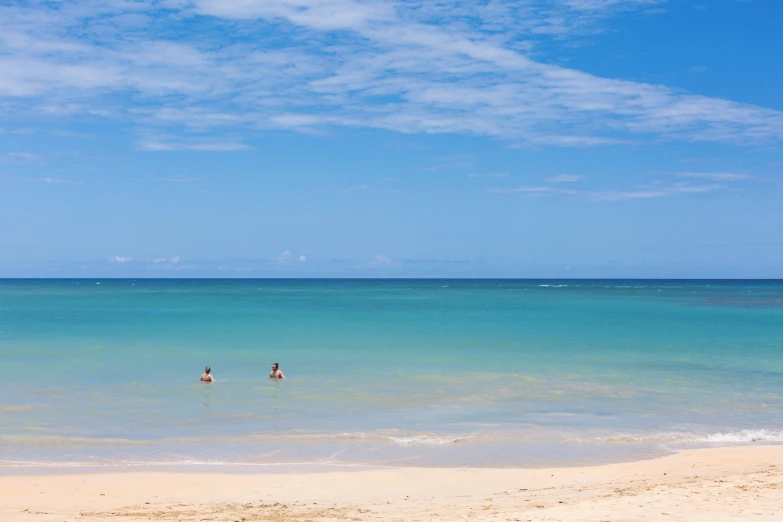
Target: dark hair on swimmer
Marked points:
276	365
207	369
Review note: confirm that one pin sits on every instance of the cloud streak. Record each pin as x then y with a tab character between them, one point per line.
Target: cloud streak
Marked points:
564	178
646	192
407	66
59	181
716	176
490	175
201	145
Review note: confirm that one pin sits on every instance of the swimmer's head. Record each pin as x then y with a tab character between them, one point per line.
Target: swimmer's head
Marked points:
207	369
274	366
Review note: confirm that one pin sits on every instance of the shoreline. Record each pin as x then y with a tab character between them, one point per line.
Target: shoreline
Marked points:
701	484
13	468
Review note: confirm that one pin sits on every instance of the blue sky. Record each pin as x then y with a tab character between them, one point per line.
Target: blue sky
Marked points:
391	138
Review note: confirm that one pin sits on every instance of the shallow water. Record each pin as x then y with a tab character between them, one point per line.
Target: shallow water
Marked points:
385	372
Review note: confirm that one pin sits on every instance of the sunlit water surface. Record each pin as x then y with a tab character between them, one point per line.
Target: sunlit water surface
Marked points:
384	372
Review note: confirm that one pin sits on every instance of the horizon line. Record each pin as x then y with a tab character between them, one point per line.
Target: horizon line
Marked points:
390	279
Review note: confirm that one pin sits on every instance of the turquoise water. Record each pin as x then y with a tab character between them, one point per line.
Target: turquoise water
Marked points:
384	372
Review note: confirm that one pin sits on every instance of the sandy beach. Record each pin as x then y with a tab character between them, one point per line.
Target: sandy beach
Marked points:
739	483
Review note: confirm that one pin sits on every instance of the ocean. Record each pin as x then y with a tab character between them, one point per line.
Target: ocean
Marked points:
519	373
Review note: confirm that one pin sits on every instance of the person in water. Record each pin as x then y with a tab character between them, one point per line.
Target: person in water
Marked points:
276	373
207	377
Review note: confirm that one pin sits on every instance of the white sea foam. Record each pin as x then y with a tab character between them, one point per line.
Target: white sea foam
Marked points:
730	437
402	438
746	436
634	438
121	463
383	436
428	439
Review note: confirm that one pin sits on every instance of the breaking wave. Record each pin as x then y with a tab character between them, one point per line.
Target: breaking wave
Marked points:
746	436
729	437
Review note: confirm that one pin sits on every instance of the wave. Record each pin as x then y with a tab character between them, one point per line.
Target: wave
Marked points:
385	436
378	449
122	463
745	436
395	437
730	437
428	440
633	438
390	438
59	440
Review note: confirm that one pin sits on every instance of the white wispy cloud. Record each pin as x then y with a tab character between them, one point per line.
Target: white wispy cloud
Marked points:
379	262
154	145
120	259
715	176
564	178
643	192
286	257
169	260
60	181
652	193
593	5
181	178
524	190
490	175
409	66
19	157
364	188
451	162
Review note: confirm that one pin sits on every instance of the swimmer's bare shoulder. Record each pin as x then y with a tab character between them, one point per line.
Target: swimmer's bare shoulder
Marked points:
276	373
206	376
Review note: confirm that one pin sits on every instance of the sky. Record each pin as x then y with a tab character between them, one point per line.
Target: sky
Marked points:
391	138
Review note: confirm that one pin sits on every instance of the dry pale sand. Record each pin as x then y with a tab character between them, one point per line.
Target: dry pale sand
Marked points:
714	484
